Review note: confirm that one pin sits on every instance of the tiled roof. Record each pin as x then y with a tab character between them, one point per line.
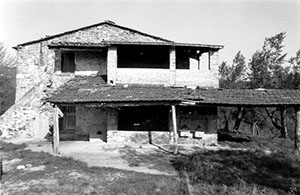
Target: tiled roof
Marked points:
251	97
126	30
109	33
94	89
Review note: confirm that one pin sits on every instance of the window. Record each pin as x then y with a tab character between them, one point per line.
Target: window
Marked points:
69	118
68	62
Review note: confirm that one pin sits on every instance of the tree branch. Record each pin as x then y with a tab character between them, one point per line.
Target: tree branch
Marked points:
273	120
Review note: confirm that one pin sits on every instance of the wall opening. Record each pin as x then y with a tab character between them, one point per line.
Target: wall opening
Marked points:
193	118
68	62
144	118
67	124
187	58
143	57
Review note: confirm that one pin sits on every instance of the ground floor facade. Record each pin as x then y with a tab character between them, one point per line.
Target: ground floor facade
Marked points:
139	124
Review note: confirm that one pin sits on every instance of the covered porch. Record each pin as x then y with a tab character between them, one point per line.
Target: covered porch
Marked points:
168	115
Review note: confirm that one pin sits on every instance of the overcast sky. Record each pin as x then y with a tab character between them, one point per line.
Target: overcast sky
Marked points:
238	25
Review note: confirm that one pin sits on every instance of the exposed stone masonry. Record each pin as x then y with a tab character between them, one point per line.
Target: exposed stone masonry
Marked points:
39	73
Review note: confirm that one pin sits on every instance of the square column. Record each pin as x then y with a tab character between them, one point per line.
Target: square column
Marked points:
213	66
172	62
112	63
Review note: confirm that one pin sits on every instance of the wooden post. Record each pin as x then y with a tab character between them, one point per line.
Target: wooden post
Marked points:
283	122
55	130
175	135
297	130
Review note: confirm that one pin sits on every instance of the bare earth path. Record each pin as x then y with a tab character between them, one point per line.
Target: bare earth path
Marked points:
146	158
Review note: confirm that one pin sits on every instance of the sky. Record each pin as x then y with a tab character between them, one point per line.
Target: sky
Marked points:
238	25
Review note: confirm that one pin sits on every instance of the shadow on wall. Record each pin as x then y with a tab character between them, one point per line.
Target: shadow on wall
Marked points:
7	87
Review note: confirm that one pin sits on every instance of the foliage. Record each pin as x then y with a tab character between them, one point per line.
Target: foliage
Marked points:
7	79
266	65
268	68
266	170
233	76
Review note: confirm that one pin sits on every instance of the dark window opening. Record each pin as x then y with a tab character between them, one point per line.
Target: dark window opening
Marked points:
68	62
182	59
186	110
185	58
143	57
145	118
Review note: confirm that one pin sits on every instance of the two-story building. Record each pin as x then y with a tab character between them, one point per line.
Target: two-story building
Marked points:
114	84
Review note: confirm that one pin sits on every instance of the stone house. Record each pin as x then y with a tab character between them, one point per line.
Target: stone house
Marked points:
114	84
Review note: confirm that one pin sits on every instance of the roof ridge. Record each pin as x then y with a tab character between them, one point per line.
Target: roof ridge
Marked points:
107	22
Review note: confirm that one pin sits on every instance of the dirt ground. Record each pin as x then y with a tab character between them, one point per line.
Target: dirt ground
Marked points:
146	158
30	172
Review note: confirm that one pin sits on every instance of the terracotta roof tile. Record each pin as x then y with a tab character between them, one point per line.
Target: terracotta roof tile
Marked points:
94	89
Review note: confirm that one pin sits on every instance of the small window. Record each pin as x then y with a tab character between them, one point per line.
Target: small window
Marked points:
68	62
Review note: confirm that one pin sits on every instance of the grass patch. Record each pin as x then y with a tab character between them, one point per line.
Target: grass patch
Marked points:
9	147
277	145
64	175
242	172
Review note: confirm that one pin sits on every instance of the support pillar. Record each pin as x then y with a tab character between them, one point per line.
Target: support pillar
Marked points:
172	61
55	131
175	135
297	130
112	64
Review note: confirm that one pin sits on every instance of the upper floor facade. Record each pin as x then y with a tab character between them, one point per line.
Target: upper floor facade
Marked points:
119	55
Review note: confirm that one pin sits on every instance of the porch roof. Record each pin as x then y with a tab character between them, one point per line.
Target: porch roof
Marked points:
95	90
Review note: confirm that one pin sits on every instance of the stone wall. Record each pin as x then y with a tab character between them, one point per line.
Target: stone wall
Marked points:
107	33
138	137
92	121
143	76
91	61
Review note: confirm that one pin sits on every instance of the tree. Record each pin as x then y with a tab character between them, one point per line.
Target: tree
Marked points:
7	79
233	76
6	60
267	71
292	80
266	65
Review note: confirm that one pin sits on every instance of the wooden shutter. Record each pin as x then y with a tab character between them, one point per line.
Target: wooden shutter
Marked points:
70	117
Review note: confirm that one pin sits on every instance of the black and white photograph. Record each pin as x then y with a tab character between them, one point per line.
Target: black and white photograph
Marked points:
150	97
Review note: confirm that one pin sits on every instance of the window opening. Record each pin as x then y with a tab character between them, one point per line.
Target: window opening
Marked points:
68	62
